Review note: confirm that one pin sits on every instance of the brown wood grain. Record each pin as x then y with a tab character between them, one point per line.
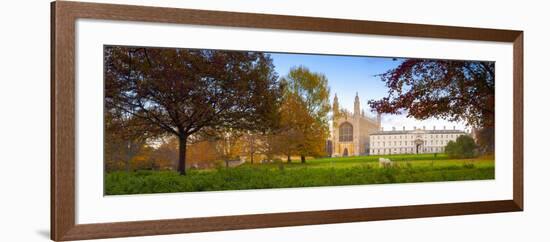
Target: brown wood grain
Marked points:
63	17
518	121
63	122
158	227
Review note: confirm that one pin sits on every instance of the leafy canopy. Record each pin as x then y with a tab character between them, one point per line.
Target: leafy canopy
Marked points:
304	112
191	93
447	89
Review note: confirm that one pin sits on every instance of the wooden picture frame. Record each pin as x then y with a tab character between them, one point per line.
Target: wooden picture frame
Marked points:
63	17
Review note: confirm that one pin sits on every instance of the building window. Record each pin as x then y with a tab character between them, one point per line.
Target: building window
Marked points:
346	132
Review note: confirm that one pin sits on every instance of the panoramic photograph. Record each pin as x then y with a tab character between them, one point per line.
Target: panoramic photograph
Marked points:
193	120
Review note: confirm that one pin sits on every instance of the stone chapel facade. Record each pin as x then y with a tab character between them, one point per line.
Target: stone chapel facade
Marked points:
351	131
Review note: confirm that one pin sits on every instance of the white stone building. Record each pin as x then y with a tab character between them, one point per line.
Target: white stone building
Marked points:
415	141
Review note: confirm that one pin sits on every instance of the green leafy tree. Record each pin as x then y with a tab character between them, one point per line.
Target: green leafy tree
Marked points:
306	95
464	147
291	133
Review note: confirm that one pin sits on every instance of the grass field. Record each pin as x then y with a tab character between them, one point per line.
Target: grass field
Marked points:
316	172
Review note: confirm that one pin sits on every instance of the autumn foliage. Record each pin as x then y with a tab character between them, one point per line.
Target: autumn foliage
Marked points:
171	108
448	89
454	90
190	94
304	113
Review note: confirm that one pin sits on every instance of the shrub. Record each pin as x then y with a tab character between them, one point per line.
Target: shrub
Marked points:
464	147
468	165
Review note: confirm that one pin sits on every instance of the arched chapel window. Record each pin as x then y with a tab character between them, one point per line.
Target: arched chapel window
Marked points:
346	132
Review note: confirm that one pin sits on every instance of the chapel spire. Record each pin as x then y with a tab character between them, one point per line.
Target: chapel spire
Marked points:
335	106
356	105
335	110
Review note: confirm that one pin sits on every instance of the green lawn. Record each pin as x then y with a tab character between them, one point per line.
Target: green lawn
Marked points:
316	172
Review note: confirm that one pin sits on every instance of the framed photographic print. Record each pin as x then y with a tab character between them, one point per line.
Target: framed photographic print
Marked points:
172	120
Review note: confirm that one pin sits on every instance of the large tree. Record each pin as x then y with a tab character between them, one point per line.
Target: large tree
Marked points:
191	93
448	89
306	100
293	120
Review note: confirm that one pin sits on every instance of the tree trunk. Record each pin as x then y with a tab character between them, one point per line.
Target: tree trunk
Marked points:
128	155
252	151
288	158
303	158
182	150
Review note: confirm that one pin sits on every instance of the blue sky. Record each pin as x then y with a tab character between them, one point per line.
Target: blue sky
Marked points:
350	74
